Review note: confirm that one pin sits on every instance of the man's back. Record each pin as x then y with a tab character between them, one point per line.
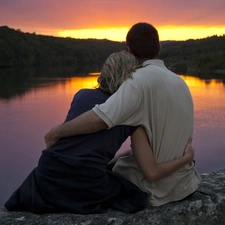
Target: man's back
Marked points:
166	112
167	99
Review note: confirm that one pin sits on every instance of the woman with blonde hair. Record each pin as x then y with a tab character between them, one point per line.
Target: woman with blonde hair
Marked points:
72	175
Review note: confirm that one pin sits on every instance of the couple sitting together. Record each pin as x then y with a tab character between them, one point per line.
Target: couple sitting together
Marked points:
137	97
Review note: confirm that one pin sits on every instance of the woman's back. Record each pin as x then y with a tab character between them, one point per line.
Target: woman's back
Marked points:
93	150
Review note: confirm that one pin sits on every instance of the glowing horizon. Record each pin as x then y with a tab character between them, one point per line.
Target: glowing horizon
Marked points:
180	33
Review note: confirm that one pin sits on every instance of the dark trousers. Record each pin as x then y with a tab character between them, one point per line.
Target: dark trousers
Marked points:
54	186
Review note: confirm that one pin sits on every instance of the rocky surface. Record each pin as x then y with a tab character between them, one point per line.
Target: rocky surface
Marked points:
205	207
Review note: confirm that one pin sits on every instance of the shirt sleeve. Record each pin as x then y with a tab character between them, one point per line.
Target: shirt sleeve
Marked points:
120	106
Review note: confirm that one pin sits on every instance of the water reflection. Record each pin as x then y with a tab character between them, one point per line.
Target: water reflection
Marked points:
209	101
209	129
17	81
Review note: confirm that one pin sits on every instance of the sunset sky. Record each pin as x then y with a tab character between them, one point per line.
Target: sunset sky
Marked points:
111	19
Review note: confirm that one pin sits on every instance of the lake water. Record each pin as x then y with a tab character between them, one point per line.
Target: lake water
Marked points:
31	105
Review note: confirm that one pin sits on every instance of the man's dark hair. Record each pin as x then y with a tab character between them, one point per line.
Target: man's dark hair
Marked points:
143	41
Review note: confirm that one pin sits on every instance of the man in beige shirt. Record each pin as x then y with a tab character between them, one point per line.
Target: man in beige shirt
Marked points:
161	102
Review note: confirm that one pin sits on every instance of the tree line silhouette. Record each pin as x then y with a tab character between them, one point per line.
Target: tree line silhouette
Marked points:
19	49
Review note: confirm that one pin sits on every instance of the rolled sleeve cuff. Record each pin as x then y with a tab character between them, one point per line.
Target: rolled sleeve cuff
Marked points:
103	116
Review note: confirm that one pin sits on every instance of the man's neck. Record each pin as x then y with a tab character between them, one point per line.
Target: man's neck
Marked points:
141	61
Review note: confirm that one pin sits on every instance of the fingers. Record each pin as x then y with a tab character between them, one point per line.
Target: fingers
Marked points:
191	150
190	140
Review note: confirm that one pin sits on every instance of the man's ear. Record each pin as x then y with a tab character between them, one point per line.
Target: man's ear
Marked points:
160	47
129	50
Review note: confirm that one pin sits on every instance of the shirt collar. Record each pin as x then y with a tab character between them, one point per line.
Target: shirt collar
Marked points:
156	62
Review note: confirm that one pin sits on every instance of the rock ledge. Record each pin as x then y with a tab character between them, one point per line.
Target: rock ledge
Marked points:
205	207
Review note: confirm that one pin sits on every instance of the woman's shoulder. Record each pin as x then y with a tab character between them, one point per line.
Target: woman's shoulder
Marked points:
91	93
86	91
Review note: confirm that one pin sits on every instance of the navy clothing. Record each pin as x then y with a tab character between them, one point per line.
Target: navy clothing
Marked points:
96	149
72	176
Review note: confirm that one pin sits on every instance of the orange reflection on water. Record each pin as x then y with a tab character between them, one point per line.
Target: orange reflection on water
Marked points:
70	86
197	82
56	96
76	83
209	101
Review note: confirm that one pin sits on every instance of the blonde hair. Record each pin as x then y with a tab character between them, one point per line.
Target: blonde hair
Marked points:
116	69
